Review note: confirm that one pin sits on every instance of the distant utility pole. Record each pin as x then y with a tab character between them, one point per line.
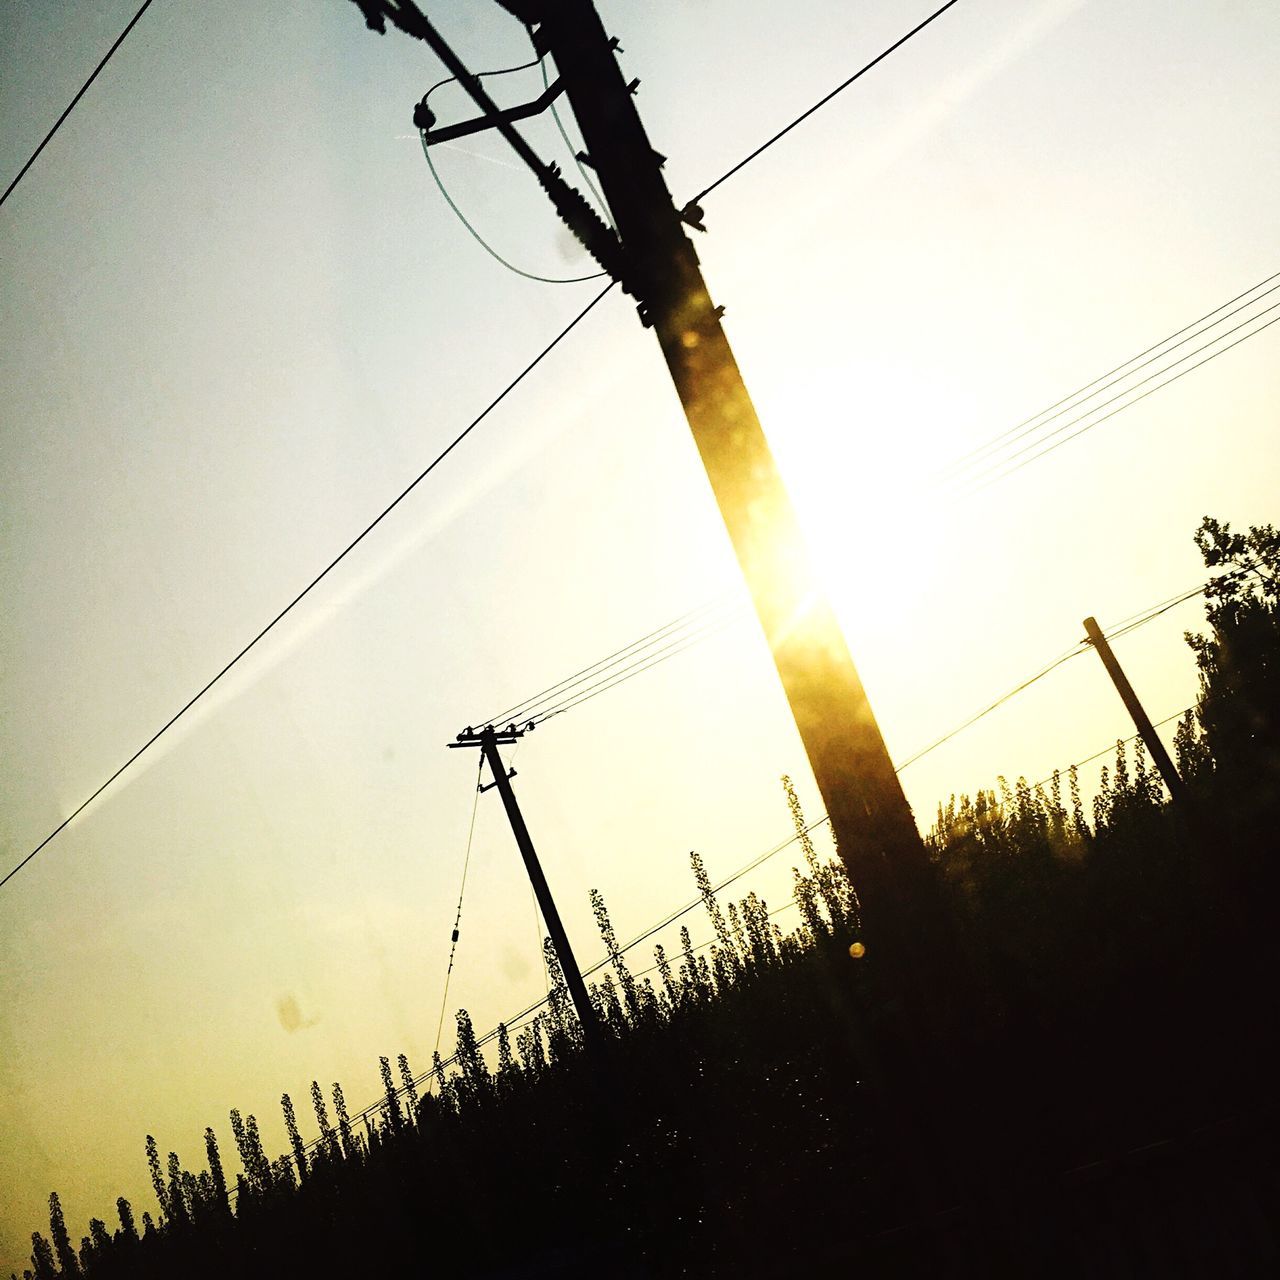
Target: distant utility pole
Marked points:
1141	721
654	259
488	740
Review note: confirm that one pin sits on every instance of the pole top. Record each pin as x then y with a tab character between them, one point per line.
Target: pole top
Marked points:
489	736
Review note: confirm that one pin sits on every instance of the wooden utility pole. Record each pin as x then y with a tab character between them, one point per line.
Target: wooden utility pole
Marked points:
488	740
654	259
874	827
1141	721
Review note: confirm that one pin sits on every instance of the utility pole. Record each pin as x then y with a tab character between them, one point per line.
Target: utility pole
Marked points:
488	740
1141	721
655	261
874	827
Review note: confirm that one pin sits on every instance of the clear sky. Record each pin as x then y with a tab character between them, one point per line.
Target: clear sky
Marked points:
236	318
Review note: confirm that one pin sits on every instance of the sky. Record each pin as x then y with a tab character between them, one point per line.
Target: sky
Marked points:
237	318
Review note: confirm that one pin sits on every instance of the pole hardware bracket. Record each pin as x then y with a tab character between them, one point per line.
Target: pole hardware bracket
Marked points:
424	118
489	786
588	227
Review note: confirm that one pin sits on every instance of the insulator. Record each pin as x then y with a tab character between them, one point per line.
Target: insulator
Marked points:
423	116
587	226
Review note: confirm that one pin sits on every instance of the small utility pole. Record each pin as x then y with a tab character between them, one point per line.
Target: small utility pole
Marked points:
488	740
1141	721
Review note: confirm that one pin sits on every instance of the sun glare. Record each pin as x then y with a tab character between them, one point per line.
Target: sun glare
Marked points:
858	452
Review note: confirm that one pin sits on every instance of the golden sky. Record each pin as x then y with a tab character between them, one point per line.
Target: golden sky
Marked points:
237	318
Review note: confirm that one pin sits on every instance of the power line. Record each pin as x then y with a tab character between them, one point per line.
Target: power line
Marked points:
484	244
606	678
986	711
994	474
641	665
702	946
513	1022
453	205
583	172
1017	431
1156	611
693	903
1129	624
1177	715
324	573
822	102
462	889
519	712
1132	623
106	57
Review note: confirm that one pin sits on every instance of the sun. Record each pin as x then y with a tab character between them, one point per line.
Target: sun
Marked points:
859	450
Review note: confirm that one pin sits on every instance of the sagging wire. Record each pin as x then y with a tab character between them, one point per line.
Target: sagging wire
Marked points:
462	217
457	919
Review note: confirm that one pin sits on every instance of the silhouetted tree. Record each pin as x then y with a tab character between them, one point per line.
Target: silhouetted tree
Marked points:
42	1258
605	925
391	1101
157	1177
410	1089
1239	661
61	1240
295	1138
344	1122
217	1176
127	1225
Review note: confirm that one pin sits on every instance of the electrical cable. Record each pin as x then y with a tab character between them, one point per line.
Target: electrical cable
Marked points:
702	946
512	1023
453	205
106	57
324	573
457	919
1177	715
994	475
1108	379
484	244
693	903
516	1020
1155	612
540	934
610	679
999	702
484	75
564	134
1123	628
1117	628
822	102
641	665
518	712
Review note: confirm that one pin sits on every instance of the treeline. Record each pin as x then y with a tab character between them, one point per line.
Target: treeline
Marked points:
769	1100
